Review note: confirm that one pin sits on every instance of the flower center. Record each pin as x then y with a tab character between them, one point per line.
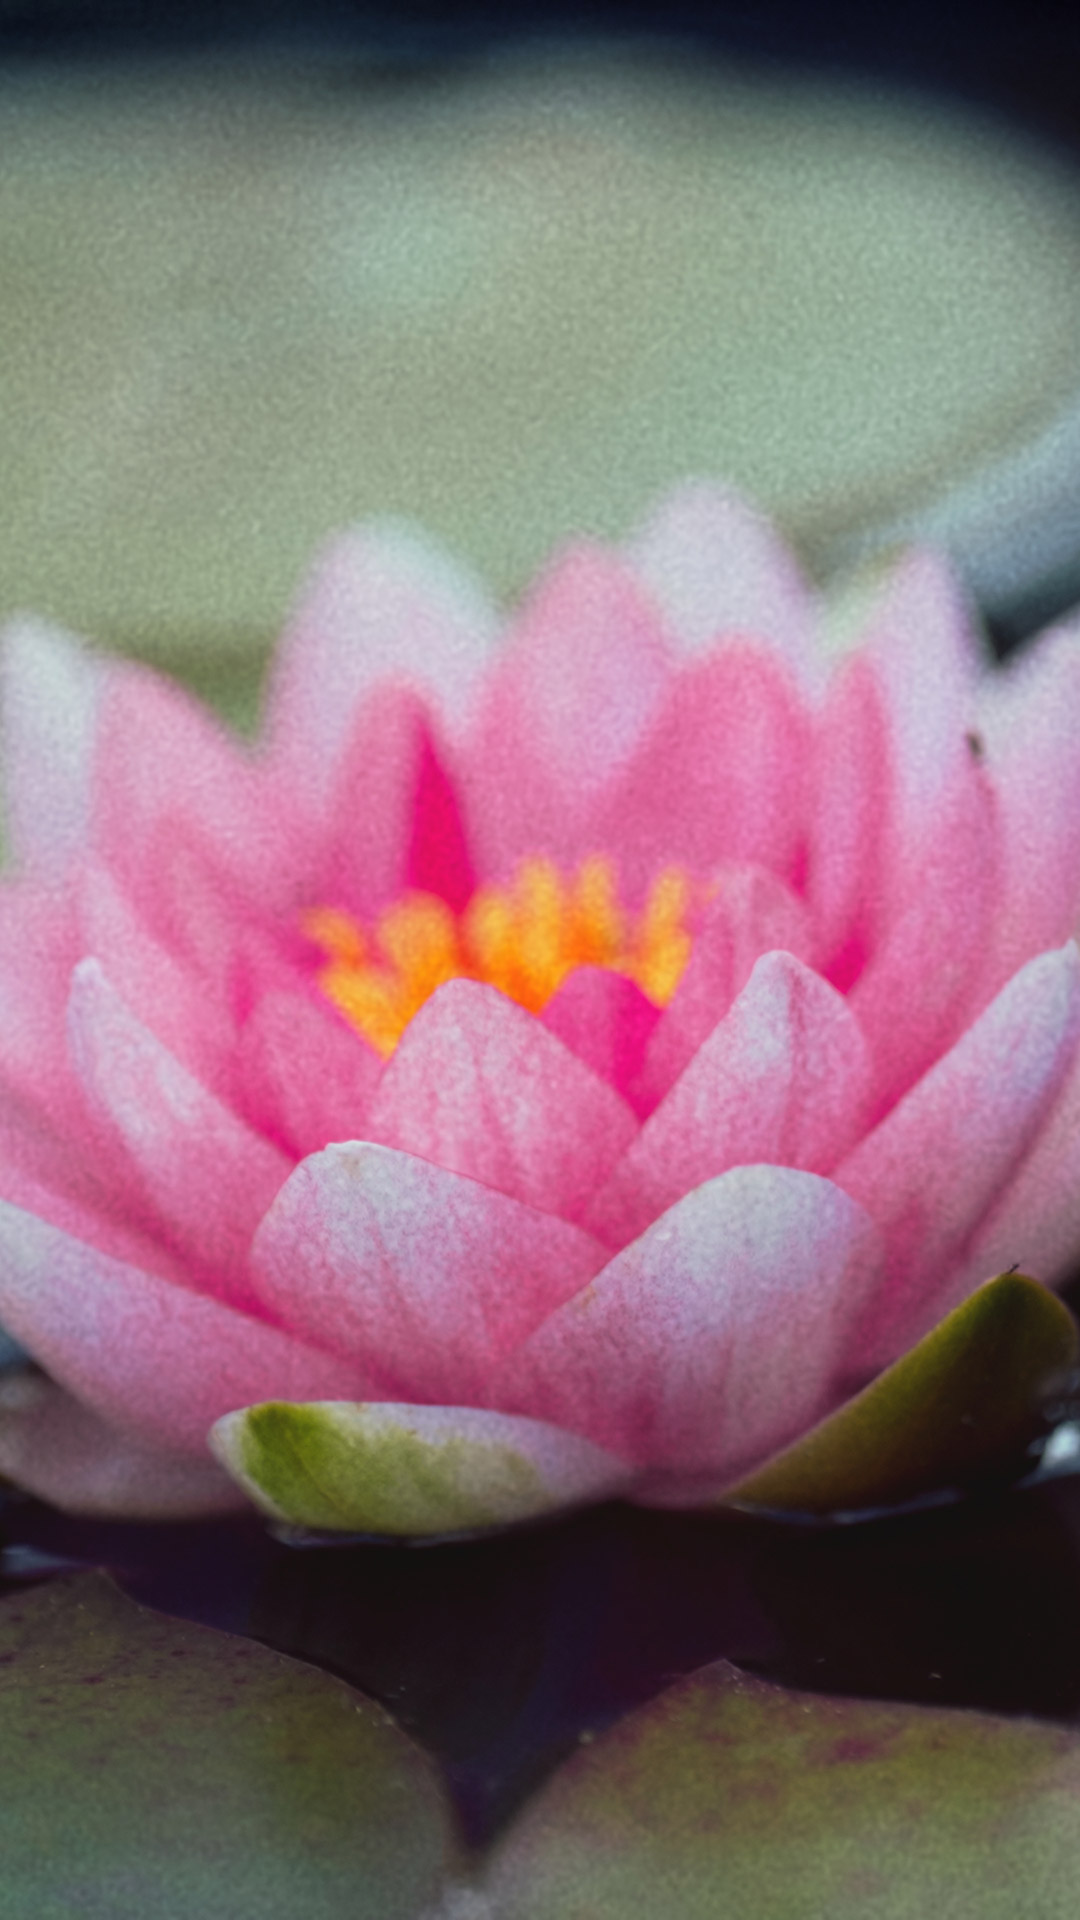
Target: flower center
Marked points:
523	939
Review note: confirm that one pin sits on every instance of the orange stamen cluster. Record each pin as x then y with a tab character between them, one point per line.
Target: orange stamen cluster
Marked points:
523	939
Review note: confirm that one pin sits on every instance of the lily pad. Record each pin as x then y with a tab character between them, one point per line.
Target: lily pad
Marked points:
961	1402
155	1770
726	1796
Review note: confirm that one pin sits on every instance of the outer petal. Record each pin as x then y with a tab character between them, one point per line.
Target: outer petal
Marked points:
168	776
892	758
928	660
407	1469
924	984
50	695
60	1451
307	1077
160	991
851	793
425	1276
783	1078
1033	760
721	775
183	897
714	1338
206	1175
1035	1221
753	913
564	708
382	602
929	1172
480	1087
39	945
159	1361
47	1133
47	1177
717	568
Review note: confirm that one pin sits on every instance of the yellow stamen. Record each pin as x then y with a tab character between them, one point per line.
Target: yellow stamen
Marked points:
599	929
543	957
663	944
336	933
524	939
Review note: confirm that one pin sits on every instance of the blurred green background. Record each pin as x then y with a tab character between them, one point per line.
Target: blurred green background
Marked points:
246	299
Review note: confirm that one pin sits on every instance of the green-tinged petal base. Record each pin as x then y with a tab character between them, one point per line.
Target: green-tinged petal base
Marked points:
729	1799
962	1401
155	1770
407	1470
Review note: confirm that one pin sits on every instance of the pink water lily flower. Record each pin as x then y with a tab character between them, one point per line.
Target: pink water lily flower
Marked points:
571	1061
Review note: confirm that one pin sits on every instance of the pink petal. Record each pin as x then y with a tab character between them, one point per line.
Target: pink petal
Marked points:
186	901
439	860
904	868
564	707
161	1362
606	1021
163	994
425	1277
60	1451
888	752
721	776
76	1184
50	694
1032	759
39	945
167	775
928	661
783	1078
376	842
382	602
923	985
851	792
1034	1223
716	568
47	1133
752	913
478	1086
307	1077
207	1176
716	1337
929	1172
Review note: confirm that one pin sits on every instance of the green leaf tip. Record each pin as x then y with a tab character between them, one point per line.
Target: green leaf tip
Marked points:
345	1467
961	1402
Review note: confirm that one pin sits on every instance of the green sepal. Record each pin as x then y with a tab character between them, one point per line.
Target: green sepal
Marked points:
964	1400
342	1467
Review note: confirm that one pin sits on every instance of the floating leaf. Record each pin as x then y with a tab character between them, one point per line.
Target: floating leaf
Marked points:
729	1799
961	1401
154	1770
